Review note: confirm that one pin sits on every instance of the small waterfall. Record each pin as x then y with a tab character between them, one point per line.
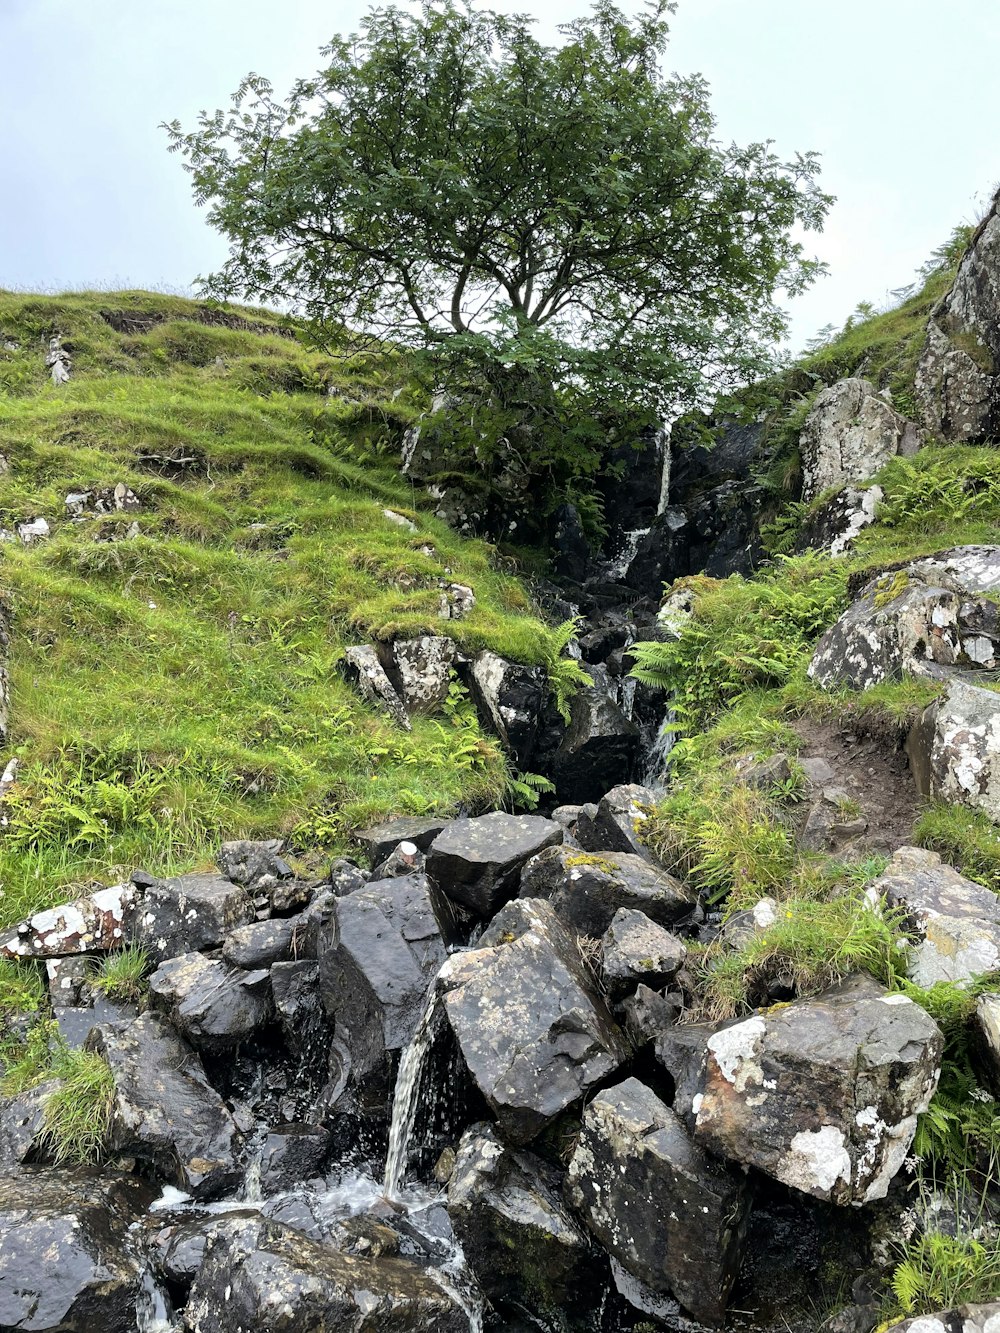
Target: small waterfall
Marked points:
152	1309
618	566
663	437
405	1096
659	752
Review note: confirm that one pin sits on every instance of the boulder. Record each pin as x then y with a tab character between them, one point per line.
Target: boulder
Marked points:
298	1004
587	889
212	1004
633	488
850	433
647	1014
532	1033
477	862
969	1319
988	1023
261	1275
956	747
420	670
455	601
165	1110
617	824
361	668
635	949
381	839
66	1263
822	1094
571	550
378	955
957	374
258	866
92	923
189	914
838	521
955	922
600	747
518	1238
21	1125
290	1155
509	699
262	943
658	1203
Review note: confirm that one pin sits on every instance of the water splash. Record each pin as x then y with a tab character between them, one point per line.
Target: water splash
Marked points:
152	1309
406	1094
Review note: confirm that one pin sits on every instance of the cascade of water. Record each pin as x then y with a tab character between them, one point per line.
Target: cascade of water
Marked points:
404	1100
152	1310
664	437
659	752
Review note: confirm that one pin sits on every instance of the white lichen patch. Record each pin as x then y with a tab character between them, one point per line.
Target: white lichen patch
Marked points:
817	1160
735	1051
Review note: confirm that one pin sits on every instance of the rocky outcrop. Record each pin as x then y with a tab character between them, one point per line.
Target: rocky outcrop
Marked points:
659	1204
969	1319
510	700
382	839
477	862
822	1094
189	914
600	748
838	521
360	667
850	433
955	748
420	670
587	889
212	1004
958	375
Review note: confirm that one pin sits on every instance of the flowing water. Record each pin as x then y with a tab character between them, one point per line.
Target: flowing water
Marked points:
407	1094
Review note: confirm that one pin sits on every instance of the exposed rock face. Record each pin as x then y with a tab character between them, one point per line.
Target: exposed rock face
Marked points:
21	1125
93	923
835	525
263	942
189	914
957	377
635	949
477	862
669	1213
988	1022
969	1319
921	620
617	824
850	433
377	958
533	1035
165	1109
264	1276
959	745
291	1154
632	497
361	668
956	922
382	839
509	699
65	1266
212	1004
600	747
517	1235
256	865
420	670
587	889
824	1094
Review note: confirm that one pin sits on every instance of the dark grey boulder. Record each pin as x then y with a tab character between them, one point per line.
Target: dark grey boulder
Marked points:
382	839
191	913
264	1276
262	943
587	889
165	1110
649	1013
510	700
635	949
616	826
256	865
212	1004
477	862
66	1265
519	1239
346	877
177	1247
532	1032
822	1094
290	1155
298	1003
669	1213
600	748
21	1125
378	956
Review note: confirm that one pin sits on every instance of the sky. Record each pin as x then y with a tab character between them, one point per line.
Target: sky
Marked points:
897	95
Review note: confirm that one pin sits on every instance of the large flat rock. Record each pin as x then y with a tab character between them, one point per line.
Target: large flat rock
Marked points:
477	862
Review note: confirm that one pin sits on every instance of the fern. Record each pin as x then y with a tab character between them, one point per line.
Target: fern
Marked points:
565	674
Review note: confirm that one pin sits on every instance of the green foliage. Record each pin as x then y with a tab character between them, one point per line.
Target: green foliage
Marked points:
121	976
527	789
565	674
76	1115
965	838
22	989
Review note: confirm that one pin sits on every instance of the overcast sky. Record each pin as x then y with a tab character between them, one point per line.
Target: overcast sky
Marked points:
898	96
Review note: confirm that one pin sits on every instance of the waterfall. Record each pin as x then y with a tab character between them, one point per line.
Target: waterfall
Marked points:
658	756
663	437
152	1309
405	1096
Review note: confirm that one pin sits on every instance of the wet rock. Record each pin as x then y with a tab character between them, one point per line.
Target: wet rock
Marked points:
662	554
361	668
263	1272
291	1154
532	1034
957	375
634	487
669	1213
382	839
955	922
377	957
822	1094
587	889
849	435
477	862
178	1247
212	1004
256	865
93	923
165	1110
65	1262
420	670
509	699
600	747
21	1125
571	550
518	1237
635	949
617	824
189	914
969	1319
837	522
298	1002
959	741
263	942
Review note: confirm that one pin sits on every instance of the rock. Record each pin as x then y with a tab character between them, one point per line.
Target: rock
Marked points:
571	550
456	601
634	487
832	822
522	1245
600	747
265	1276
291	1154
189	914
477	862
35	530
382	839
420	670
533	1035
262	943
21	1125
647	1014
93	923
834	526
377	958
635	949
618	822
165	1110
255	865
955	922
850	433
346	877
400	520
663	554
509	699
405	859
212	1004
66	1265
956	381
669	1214
988	1023
58	361
587	889
361	668
69	980
969	1319
959	744
822	1094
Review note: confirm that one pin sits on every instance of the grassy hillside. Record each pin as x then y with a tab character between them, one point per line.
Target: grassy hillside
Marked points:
179	686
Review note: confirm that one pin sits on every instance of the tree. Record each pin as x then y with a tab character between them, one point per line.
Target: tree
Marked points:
541	219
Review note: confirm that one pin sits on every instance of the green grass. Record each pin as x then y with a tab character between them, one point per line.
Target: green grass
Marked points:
76	1115
121	976
181	687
